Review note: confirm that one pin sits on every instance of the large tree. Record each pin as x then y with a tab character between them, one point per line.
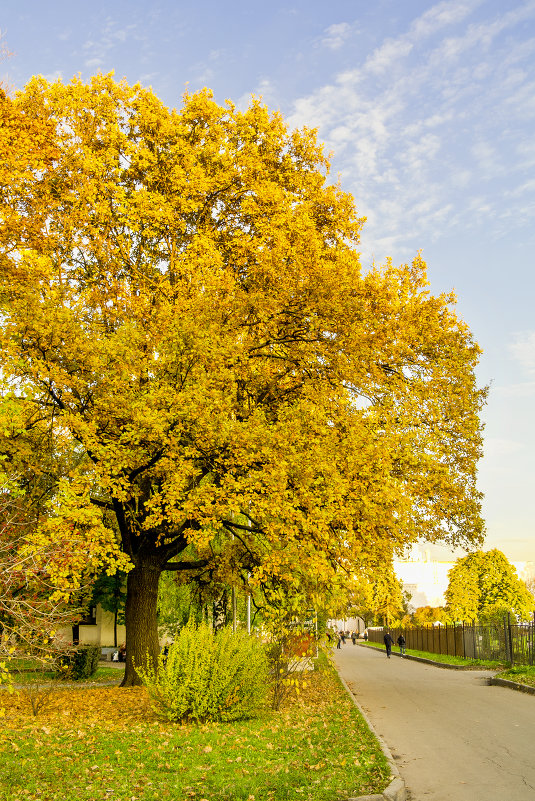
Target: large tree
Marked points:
182	297
484	582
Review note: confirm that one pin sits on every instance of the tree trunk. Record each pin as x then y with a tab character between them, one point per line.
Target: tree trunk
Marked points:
142	645
220	612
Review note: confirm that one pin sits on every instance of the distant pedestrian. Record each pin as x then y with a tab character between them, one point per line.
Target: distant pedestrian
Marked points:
388	643
366	636
343	637
165	654
401	643
353	637
338	640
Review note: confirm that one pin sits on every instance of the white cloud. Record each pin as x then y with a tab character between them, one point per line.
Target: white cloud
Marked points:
442	15
147	78
422	129
51	77
386	56
336	35
525	188
100	48
264	90
523	350
487	158
92	63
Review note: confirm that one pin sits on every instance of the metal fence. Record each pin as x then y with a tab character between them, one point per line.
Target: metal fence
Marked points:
504	641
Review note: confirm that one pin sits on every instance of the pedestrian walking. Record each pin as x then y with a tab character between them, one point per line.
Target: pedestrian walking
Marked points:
388	643
338	640
353	637
401	643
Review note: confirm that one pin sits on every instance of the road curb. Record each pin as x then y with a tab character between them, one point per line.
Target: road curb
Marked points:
512	685
396	790
445	665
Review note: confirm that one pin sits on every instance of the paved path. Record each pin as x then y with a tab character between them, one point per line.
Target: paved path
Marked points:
454	737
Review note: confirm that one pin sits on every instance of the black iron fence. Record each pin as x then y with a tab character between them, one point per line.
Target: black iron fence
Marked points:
503	641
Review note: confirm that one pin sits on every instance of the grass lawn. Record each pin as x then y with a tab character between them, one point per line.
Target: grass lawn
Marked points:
104	743
445	658
27	675
523	674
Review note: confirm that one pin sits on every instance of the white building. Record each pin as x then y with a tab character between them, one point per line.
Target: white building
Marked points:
424	579
427	579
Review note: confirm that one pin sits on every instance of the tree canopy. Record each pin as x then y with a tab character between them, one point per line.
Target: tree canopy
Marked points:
485	582
183	307
426	615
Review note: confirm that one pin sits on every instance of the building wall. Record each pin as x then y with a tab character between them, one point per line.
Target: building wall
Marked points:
100	633
426	581
348	624
105	628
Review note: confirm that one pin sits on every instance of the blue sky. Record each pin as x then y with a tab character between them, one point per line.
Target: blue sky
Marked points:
429	111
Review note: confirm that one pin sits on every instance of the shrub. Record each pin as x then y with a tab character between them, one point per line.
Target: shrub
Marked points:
80	664
289	655
208	676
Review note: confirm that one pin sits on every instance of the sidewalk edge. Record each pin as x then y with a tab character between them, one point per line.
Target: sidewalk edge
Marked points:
512	685
434	663
396	790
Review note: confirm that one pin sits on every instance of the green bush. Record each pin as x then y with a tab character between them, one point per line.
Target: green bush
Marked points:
80	664
209	676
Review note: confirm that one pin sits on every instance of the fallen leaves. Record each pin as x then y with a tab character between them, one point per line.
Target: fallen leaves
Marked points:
77	710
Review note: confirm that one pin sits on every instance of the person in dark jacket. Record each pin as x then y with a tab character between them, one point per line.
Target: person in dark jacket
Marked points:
401	643
388	643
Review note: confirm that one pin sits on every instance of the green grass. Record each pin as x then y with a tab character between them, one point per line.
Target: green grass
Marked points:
102	743
16	664
523	674
31	675
447	659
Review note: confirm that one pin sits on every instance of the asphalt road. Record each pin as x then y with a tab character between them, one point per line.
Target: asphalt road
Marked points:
453	736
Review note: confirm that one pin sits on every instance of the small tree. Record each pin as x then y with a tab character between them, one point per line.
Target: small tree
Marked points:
30	614
110	593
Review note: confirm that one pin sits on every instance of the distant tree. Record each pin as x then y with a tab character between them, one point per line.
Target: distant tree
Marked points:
110	593
424	615
483	583
380	598
530	584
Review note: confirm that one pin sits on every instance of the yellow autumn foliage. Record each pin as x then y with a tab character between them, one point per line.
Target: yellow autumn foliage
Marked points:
182	297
